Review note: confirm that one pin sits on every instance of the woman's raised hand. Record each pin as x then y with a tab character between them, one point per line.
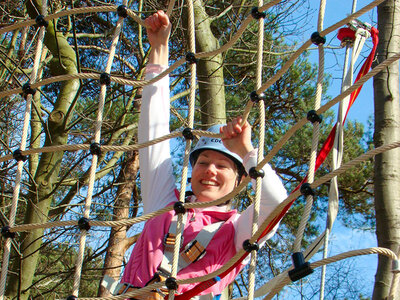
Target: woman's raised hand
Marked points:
237	137
158	30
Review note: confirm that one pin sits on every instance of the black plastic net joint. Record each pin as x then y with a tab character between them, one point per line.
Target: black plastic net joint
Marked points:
27	90
306	190
95	149
313	117
105	79
171	283
191	58
301	268
256	14
255	98
84	224
253	173
317	39
248	247
179	208
17	155
41	22
7	233
187	133
122	11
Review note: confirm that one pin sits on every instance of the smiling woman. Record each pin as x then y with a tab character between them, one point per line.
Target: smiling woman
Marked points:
212	235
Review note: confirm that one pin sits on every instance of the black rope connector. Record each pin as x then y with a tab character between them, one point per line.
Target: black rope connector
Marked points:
171	283
187	133
313	117
41	22
28	90
255	98
6	233
301	268
72	297
248	247
256	14
306	190
253	173
122	11
105	78
17	155
191	58
179	208
317	39
84	224
95	149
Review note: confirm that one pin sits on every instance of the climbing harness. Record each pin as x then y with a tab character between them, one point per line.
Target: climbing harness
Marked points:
192	252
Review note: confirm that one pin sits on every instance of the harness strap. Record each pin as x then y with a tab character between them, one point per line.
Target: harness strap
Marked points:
194	250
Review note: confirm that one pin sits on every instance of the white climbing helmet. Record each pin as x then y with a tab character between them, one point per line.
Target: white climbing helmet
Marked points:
216	144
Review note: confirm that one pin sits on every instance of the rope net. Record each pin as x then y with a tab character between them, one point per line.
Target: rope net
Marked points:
102	142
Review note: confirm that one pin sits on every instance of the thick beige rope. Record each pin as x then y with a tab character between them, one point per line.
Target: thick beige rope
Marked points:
190	122
93	167
20	164
315	138
336	258
260	154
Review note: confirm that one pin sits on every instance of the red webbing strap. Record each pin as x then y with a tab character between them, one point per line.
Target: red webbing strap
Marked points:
328	144
367	64
322	155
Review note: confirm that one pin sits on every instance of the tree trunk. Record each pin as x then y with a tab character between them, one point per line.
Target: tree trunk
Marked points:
387	130
209	70
118	242
49	164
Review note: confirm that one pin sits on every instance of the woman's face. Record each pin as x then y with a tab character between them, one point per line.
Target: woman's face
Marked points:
213	176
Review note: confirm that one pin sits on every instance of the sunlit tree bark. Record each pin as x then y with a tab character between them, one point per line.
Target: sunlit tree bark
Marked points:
387	130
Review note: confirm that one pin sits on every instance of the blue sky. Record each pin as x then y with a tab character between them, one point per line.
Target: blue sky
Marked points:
343	239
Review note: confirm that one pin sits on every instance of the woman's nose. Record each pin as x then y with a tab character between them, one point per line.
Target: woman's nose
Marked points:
211	169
